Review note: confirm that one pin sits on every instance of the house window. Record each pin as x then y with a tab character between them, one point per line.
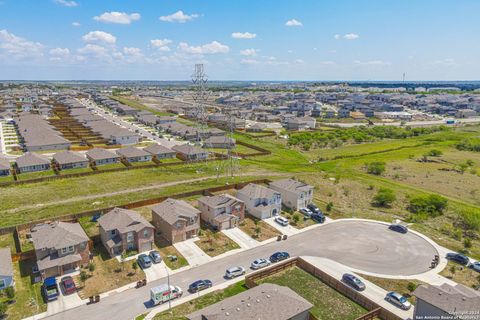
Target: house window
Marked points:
68	249
2	283
145	233
130	237
113	232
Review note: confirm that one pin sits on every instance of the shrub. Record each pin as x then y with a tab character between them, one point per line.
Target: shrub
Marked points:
434	153
83	276
467	243
91	267
135	266
296	217
471	219
384	197
3	309
10	291
329	206
376	168
411	286
433	205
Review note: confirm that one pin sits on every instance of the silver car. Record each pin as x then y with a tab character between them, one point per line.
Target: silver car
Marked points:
234	272
281	221
259	263
398	300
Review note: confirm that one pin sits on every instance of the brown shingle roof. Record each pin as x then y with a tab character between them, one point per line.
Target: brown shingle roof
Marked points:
31	159
66	157
100	154
123	220
57	235
129	152
291	185
158	149
171	210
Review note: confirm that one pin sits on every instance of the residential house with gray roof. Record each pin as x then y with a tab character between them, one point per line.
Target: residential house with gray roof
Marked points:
31	162
187	152
4	167
124	230
221	211
132	154
6	269
60	247
160	152
260	201
70	160
176	220
102	156
295	194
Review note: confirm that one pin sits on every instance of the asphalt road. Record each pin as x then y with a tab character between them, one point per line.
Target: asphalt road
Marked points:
360	245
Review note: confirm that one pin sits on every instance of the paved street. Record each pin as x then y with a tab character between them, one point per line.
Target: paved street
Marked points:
360	245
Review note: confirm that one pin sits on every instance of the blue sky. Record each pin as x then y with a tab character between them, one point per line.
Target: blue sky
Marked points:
240	40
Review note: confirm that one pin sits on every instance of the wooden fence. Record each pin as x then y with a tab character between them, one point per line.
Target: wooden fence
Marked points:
375	309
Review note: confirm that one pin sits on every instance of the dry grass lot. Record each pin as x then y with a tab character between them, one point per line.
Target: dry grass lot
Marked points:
401	286
215	243
461	274
251	225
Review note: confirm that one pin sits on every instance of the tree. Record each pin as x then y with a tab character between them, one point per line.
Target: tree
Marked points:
91	267
376	167
10	291
434	153
135	266
384	197
432	205
83	276
329	206
296	217
257	230
411	286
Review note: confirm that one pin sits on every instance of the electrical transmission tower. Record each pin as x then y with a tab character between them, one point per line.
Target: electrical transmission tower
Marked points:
230	166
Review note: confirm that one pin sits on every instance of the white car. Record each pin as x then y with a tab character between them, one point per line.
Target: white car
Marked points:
475	266
234	272
260	263
281	221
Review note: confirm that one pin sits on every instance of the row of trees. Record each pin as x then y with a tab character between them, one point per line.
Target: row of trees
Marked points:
469	145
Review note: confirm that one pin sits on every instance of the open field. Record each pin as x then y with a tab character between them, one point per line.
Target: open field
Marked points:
130	101
327	303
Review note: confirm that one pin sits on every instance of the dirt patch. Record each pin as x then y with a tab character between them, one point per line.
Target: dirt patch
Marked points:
258	229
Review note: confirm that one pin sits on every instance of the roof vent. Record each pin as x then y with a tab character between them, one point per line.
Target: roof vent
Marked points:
248	304
268	296
227	314
258	300
238	309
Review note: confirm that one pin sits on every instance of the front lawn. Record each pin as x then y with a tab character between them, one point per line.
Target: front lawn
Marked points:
258	229
301	222
166	250
461	274
404	287
215	243
328	304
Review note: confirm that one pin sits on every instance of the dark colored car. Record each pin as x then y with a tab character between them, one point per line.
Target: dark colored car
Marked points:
199	285
398	228
68	285
314	208
279	256
144	261
318	217
155	256
50	289
353	281
458	258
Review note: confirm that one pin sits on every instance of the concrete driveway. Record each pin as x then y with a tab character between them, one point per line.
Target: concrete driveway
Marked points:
241	238
288	230
194	255
157	271
358	245
64	302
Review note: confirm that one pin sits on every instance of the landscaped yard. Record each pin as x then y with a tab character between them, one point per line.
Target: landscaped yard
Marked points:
108	274
215	243
301	222
461	274
327	303
181	311
258	229
404	287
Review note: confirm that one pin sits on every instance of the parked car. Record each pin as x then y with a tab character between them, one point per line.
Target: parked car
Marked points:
398	228
398	300
144	261
306	212
458	258
50	289
318	217
314	208
475	266
281	221
155	256
259	263
199	285
68	285
234	272
353	281
279	256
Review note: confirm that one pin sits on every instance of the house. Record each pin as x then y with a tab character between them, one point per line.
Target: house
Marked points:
445	302
4	167
266	302
176	220
124	230
101	156
219	142
31	162
70	160
357	115
465	113
260	201
301	123
221	211
295	194
60	247
6	269
187	152
160	152
132	154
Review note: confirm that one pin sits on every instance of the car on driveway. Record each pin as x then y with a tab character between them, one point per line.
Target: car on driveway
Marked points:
259	263
353	282
398	300
475	266
144	261
306	212
458	258
234	272
314	208
50	289
318	217
68	285
279	256
281	221
199	285
155	256
398	228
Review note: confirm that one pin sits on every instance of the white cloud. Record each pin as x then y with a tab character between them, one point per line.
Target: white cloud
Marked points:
17	46
289	51
99	36
161	44
373	63
66	3
351	36
337	36
93	49
209	48
76	24
293	23
132	51
299	61
244	35
327	63
249	52
59	52
445	62
117	17
179	17
249	61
